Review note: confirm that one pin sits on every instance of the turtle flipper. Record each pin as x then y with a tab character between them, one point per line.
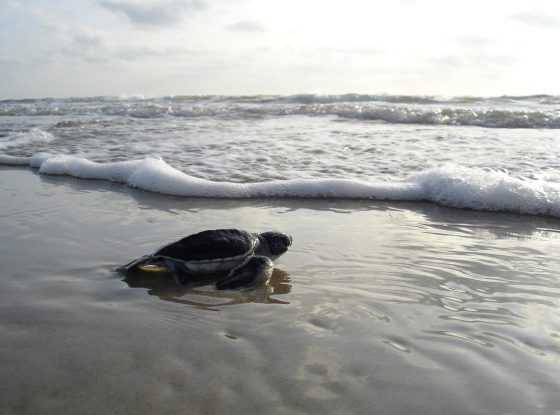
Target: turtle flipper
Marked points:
256	270
181	274
135	264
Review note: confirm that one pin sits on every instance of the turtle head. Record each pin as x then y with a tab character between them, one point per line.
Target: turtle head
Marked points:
277	242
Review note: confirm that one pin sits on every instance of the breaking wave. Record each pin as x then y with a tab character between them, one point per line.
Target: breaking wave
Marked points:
450	185
489	118
536	111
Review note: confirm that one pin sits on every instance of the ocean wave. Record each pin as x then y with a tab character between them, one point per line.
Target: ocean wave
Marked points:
404	99
449	185
483	117
35	135
501	112
82	123
332	99
393	114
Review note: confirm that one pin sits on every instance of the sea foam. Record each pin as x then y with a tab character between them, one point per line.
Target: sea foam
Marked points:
449	185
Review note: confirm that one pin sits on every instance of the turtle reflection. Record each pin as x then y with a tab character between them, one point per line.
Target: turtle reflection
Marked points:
201	293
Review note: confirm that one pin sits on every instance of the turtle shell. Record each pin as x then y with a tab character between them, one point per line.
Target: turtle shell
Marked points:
212	250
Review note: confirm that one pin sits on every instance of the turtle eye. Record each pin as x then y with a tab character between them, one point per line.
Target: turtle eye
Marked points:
281	244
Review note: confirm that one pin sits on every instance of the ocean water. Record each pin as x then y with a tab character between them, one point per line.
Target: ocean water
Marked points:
480	153
413	284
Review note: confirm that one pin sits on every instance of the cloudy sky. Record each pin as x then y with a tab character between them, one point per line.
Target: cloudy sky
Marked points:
175	47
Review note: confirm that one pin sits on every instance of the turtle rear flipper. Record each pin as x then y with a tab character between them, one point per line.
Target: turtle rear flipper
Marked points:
133	265
255	271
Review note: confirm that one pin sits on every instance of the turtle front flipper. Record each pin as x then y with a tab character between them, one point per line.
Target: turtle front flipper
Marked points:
255	271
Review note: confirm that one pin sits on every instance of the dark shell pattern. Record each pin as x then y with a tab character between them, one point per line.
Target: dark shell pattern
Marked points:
210	245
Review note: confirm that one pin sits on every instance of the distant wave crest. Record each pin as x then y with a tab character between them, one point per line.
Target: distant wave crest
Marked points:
536	111
298	99
490	118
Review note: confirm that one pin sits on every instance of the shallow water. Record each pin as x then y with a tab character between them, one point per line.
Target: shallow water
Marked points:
377	308
248	139
496	154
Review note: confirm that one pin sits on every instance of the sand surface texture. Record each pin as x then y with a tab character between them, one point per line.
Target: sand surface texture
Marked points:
382	308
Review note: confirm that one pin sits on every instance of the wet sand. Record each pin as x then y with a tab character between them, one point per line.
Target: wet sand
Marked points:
380	308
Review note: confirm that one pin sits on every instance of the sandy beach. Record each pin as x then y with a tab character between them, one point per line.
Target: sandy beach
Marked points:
385	308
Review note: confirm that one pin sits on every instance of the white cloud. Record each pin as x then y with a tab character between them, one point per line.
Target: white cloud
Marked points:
249	26
542	19
402	47
166	12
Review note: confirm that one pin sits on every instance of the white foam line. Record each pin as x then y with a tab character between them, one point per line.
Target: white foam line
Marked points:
157	176
449	185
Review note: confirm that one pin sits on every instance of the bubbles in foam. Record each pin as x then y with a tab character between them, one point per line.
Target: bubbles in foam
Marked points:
491	190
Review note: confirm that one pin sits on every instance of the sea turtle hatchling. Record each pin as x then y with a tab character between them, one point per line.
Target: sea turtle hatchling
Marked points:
237	258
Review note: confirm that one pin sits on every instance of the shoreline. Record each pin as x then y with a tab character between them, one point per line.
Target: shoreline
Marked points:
455	187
